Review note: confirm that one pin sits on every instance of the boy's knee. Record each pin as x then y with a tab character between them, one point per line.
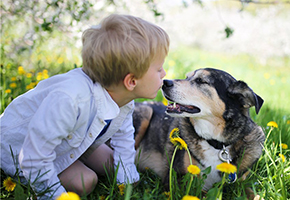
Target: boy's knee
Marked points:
87	184
92	182
78	178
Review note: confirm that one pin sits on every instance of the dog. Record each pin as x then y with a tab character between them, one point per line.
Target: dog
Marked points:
211	110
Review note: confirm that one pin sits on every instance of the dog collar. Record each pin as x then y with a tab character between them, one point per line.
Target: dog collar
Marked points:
216	144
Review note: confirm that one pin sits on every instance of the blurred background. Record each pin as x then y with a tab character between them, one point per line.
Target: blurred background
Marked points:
249	40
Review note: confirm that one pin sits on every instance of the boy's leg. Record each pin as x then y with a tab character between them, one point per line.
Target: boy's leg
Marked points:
100	158
78	178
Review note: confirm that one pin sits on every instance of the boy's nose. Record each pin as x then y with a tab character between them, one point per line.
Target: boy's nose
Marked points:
163	74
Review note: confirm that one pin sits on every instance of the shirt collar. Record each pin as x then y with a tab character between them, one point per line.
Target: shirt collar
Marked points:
109	107
112	109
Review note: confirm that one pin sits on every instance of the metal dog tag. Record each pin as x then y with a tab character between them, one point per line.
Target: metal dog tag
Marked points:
224	155
232	177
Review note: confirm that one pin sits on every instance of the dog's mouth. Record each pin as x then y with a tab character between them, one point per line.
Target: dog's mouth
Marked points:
177	108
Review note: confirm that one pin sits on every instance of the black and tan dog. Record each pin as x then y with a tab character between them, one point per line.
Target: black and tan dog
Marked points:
211	110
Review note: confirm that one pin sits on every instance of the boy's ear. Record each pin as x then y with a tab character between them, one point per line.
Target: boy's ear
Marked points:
130	82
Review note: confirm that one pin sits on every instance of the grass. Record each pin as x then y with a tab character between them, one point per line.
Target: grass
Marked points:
270	176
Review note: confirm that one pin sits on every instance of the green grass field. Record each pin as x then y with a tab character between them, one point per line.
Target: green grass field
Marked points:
270	176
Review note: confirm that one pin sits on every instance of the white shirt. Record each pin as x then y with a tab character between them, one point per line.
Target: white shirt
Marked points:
52	125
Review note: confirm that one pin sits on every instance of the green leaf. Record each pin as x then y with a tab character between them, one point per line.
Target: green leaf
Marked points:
19	193
212	193
207	170
229	31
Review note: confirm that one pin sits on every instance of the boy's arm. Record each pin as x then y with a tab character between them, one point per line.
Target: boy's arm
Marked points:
124	152
52	122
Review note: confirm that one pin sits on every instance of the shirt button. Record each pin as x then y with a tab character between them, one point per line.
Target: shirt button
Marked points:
69	137
91	135
72	156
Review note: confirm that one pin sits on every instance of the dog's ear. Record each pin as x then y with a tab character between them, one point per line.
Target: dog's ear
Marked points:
245	95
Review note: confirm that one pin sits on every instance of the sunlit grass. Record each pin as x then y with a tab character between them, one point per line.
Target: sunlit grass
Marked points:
270	176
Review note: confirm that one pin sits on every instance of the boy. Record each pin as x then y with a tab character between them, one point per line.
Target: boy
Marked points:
57	130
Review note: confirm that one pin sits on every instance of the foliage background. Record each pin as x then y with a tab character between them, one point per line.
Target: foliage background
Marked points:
43	38
40	35
47	34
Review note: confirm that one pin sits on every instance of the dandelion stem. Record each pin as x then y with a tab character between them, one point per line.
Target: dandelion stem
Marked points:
268	135
170	172
190	160
189	186
191	176
220	194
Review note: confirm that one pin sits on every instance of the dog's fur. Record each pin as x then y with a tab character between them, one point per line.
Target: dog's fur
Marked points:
212	111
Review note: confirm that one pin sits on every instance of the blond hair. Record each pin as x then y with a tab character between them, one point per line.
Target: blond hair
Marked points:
121	44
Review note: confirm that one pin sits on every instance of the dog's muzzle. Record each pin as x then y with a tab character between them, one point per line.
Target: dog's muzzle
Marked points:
167	83
175	107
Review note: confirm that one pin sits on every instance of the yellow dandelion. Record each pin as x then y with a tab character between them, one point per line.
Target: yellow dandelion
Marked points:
227	168
288	121
8	91
272	124
282	157
60	60
39	76
188	197
9	184
272	82
21	70
179	142
172	133
68	196
284	146
266	75
169	74
48	59
45	76
13	85
167	194
29	86
121	189
164	101
102	197
39	57
13	78
193	169
171	63
29	75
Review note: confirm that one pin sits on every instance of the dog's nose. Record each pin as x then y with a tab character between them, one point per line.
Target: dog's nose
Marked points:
167	83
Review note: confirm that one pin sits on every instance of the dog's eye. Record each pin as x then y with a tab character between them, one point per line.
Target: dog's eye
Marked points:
200	81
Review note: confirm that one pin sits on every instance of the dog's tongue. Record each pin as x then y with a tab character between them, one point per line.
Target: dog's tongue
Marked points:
178	108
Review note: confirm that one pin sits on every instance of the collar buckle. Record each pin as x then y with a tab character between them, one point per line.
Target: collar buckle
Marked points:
224	155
